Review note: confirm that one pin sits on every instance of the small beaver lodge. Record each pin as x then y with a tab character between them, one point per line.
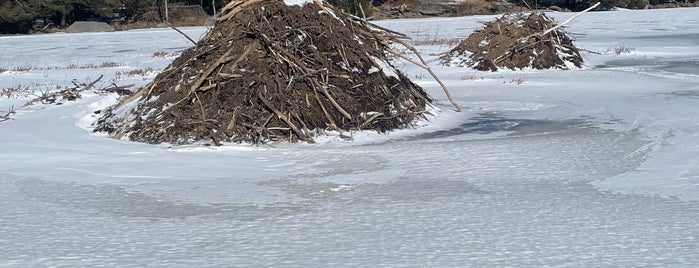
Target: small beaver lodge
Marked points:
269	71
516	41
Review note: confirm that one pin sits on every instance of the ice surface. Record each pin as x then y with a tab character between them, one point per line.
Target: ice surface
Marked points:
596	167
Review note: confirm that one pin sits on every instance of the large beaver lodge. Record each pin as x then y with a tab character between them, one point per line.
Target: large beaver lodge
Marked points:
268	72
516	41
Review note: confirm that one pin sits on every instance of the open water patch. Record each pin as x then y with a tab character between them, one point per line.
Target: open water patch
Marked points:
684	67
685	93
672	65
690	37
124	51
109	199
492	124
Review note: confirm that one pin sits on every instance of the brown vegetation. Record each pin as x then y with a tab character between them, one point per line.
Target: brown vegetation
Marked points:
106	64
516	41
72	66
620	50
271	72
435	42
424	8
165	54
135	72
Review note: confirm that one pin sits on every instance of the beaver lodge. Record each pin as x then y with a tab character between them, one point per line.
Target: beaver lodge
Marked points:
269	71
516	41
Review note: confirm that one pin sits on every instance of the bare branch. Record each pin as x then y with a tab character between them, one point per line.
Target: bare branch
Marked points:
6	117
571	18
181	32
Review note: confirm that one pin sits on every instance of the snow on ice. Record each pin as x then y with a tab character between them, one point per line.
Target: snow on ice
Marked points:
593	167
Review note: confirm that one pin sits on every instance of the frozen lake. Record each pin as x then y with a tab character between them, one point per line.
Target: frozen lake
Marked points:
441	202
597	167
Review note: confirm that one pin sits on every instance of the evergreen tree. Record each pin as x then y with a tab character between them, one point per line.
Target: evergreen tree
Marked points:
14	18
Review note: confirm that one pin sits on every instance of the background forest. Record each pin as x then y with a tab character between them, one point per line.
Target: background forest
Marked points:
25	16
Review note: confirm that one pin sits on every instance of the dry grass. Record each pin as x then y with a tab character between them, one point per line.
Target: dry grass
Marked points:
189	21
22	68
160	54
134	25
450	42
165	54
620	50
422	38
467	7
109	64
517	81
410	4
152	22
106	64
473	7
144	72
469	77
136	72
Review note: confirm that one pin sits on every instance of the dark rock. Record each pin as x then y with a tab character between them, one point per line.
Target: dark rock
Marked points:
435	8
89	26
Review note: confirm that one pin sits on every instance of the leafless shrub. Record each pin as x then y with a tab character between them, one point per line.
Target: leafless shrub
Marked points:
2	70
60	96
68	94
6	115
17	91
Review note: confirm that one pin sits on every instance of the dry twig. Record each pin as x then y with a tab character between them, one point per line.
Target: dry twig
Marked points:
6	117
181	32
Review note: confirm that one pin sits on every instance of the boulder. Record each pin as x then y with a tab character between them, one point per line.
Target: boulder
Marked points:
89	26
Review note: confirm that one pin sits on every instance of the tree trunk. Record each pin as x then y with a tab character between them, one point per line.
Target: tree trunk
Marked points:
63	19
159	8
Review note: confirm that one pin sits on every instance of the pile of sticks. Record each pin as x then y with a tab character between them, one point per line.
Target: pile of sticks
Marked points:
271	72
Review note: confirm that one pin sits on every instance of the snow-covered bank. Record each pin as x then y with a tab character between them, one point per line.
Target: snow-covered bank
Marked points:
543	168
